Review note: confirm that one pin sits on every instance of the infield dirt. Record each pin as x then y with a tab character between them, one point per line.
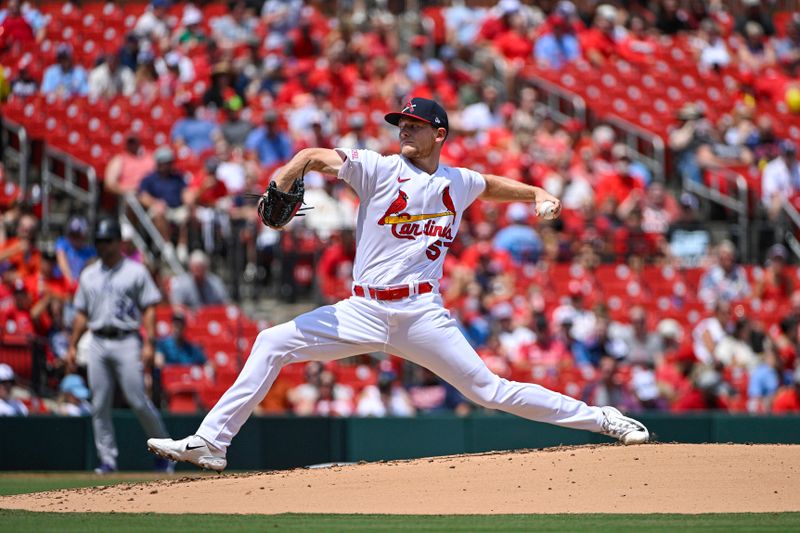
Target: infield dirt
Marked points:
654	478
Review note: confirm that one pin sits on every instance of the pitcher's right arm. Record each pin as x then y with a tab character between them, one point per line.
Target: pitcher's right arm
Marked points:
321	160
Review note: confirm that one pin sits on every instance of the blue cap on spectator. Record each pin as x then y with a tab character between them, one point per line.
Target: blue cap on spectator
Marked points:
145	56
63	50
566	8
447	52
73	384
788	147
78	226
160	3
690	201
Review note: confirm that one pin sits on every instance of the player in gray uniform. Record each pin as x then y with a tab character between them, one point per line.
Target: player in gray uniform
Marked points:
115	296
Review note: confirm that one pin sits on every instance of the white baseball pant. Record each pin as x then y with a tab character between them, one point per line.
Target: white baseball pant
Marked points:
418	329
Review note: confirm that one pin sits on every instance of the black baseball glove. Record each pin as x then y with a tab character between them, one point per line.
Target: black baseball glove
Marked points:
276	208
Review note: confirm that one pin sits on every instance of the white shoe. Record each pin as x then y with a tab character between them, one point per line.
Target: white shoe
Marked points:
192	449
626	430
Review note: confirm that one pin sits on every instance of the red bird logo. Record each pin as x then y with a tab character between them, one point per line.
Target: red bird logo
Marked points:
447	201
397	206
396	213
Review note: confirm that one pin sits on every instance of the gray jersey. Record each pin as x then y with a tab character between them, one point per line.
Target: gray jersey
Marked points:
115	297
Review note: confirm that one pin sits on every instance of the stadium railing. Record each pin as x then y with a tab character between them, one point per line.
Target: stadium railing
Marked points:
728	189
792	231
647	147
563	105
16	149
133	213
78	180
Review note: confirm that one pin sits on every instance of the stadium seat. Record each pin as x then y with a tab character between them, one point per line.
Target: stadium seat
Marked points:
16	353
356	377
184	402
211	394
180	377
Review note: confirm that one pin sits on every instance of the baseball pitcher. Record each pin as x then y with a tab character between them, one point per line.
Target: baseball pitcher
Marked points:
410	210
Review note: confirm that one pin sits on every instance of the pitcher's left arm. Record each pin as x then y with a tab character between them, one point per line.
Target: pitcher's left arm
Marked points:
500	189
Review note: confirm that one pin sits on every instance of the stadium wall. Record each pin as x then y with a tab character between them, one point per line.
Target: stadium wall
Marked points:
265	443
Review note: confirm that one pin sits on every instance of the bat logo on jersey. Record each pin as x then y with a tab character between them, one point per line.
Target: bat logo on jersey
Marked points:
406	226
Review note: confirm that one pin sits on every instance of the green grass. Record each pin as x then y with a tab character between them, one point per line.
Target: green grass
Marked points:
19	521
19	483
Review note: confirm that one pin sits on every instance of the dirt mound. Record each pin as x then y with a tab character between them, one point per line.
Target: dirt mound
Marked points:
657	478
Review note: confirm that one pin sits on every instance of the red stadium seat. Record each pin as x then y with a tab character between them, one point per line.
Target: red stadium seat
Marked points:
294	373
184	402
180	377
692	277
211	394
16	353
356	377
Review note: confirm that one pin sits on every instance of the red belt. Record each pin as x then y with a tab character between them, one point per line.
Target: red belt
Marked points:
392	293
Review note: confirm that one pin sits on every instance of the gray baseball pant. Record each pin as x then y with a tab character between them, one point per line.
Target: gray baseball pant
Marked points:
111	361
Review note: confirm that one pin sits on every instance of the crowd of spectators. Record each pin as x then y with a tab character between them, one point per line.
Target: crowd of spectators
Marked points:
250	85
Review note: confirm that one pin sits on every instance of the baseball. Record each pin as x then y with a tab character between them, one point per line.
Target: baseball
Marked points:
547	210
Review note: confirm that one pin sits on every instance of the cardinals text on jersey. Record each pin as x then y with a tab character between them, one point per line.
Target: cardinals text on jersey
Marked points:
407	218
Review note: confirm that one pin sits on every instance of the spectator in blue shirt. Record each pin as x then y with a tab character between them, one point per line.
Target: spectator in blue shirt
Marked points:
519	239
64	78
559	46
269	143
72	250
176	349
763	383
162	193
193	131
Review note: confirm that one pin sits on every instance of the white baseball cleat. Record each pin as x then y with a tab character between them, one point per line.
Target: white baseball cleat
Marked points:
625	429
192	449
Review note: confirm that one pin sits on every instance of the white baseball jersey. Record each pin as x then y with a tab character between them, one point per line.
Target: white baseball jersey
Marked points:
407	218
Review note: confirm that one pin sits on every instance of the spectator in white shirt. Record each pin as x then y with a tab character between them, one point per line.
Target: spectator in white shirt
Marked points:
780	179
152	24
726	280
111	78
9	406
710	332
714	52
387	398
582	321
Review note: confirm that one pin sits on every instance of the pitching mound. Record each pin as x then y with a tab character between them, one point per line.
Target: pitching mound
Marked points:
658	478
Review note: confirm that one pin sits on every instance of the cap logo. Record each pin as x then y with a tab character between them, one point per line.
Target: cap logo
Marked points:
410	107
436	120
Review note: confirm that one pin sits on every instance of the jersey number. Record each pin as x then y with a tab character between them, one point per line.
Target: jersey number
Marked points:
435	250
124	309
